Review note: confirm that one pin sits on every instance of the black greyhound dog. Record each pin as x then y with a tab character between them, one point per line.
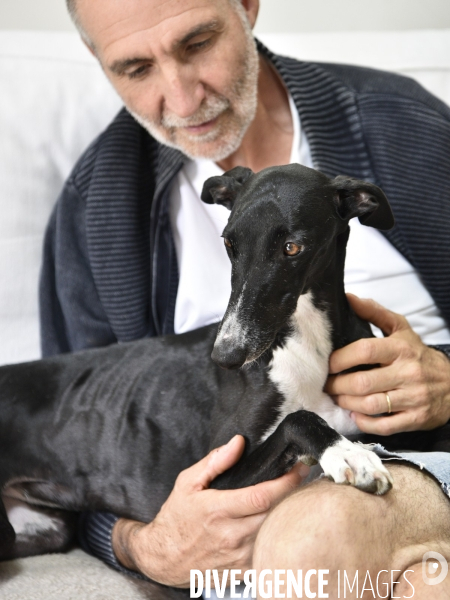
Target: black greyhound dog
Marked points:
111	428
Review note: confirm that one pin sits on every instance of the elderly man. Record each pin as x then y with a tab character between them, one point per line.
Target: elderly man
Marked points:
132	252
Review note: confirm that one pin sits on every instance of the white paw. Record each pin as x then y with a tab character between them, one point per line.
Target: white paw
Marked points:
350	463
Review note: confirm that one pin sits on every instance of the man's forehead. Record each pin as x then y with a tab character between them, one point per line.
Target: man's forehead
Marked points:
108	22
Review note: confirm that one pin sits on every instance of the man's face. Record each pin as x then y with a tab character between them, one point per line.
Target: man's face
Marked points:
186	69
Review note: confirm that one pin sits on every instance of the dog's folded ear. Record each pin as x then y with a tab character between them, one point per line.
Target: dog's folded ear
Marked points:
355	198
224	188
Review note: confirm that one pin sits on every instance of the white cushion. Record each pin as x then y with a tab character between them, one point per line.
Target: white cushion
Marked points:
54	100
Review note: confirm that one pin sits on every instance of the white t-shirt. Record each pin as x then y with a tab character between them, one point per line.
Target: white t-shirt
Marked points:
373	267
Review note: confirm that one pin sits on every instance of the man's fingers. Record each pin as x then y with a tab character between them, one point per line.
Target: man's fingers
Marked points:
374	404
363	383
200	475
261	497
377	404
402	421
367	351
371	311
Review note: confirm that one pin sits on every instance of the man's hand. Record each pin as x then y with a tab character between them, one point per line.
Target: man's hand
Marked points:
417	378
199	528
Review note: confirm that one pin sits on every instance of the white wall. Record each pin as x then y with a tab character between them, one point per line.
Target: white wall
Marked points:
352	15
275	15
34	14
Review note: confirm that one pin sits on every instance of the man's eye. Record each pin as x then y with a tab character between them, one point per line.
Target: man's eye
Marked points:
199	45
139	72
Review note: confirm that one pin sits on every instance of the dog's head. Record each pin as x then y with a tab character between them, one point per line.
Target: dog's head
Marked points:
280	237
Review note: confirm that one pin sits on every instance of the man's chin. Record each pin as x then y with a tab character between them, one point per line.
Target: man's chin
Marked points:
213	145
207	147
215	150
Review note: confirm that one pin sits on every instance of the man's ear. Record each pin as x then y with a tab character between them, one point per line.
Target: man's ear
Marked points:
251	8
224	188
355	198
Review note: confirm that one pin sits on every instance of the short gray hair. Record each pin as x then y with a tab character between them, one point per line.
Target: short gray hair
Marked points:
72	8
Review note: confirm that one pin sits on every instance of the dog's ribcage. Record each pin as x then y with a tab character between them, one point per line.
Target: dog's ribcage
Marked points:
300	367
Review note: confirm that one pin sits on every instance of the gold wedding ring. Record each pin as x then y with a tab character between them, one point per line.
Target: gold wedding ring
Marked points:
389	403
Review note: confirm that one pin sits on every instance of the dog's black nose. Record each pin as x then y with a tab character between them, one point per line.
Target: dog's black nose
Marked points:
229	357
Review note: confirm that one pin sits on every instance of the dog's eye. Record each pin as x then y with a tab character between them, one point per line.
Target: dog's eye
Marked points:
227	242
292	249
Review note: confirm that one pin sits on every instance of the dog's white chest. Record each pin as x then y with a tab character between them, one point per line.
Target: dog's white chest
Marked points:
300	367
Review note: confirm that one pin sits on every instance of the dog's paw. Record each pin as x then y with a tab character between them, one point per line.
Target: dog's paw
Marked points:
346	462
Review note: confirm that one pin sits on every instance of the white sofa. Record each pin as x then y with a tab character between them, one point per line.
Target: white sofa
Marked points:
54	99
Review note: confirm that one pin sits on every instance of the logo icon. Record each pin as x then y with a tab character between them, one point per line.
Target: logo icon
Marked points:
431	561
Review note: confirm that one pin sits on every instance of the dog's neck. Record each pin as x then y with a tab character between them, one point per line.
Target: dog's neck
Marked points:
328	295
323	321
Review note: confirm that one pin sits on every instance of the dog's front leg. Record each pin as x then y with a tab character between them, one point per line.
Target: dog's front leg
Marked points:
304	436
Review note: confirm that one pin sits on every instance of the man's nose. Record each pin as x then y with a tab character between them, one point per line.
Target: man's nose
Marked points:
183	92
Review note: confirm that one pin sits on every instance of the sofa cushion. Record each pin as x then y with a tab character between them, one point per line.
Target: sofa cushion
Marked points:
54	101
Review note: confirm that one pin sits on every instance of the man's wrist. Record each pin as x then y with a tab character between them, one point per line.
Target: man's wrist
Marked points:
125	543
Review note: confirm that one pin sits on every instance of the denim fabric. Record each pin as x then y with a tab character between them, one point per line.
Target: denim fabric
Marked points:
436	463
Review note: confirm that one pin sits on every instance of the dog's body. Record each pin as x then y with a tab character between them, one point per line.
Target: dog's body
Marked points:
110	429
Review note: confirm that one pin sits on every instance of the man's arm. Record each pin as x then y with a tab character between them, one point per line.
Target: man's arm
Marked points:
416	377
71	314
53	331
72	318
